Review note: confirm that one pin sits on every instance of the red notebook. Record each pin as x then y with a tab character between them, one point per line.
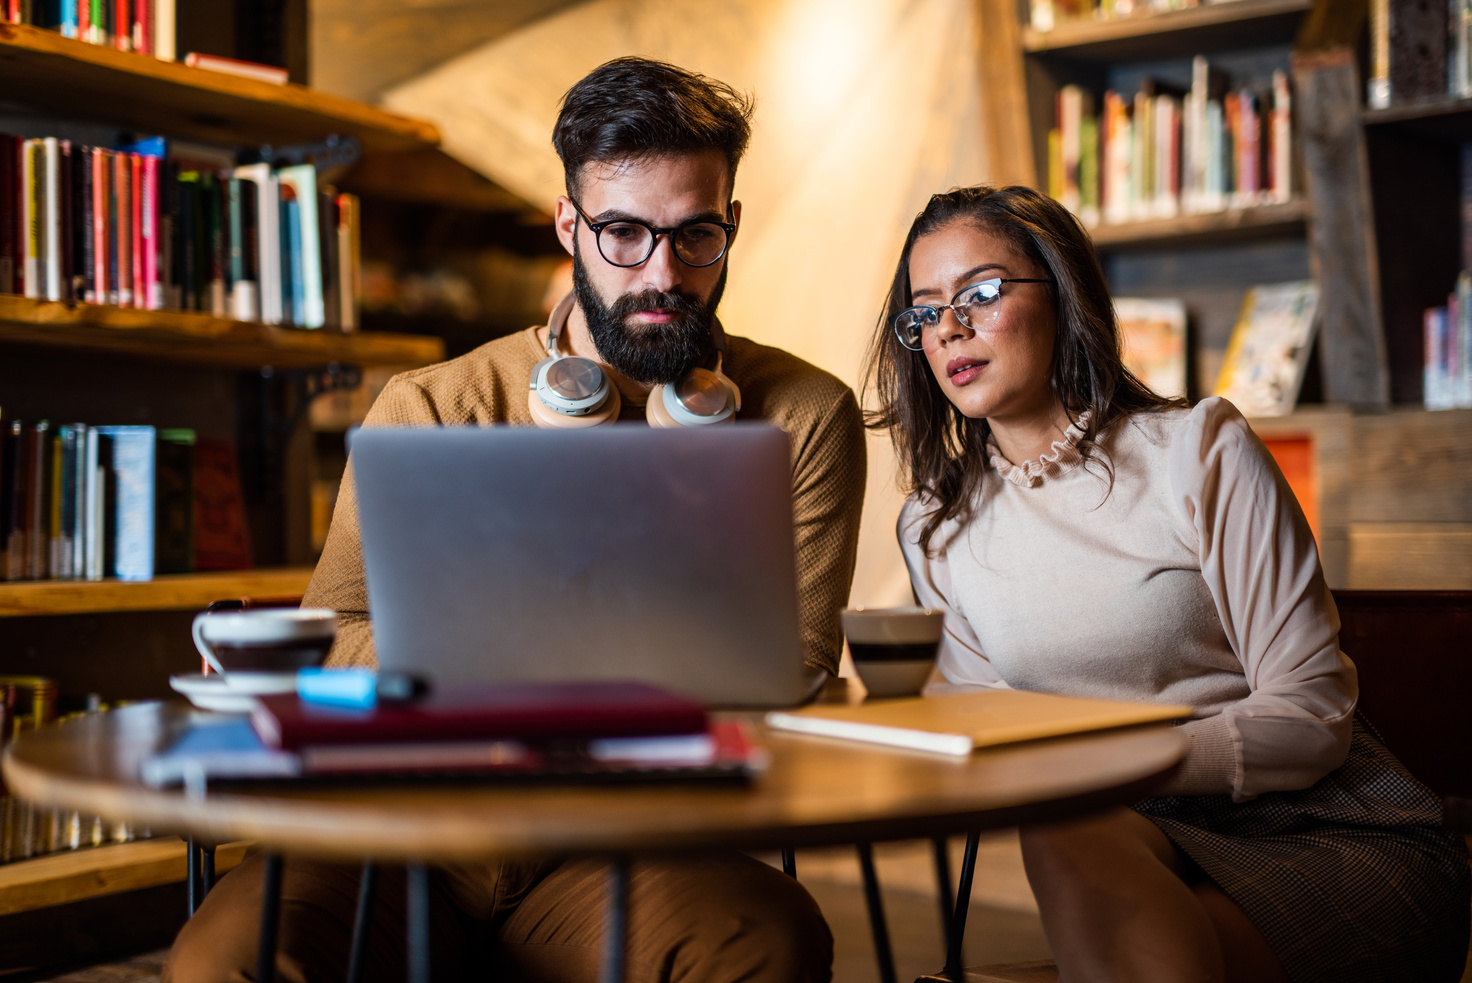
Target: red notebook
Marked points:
523	711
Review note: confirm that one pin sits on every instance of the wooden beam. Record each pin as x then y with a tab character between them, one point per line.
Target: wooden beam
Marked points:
1332	24
1004	117
1342	247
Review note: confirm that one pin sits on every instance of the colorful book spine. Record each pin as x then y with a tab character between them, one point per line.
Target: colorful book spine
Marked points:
304	242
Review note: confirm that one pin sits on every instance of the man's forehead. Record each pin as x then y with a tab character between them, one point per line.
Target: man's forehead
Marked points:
656	187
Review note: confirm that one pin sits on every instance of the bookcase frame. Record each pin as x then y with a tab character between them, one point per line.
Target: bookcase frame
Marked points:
72	79
1393	479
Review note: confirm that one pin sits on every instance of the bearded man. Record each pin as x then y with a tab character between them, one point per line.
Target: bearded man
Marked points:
650	154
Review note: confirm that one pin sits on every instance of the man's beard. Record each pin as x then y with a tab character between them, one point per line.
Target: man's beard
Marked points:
648	353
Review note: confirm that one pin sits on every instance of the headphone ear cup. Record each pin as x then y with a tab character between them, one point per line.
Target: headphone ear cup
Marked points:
655	412
547	418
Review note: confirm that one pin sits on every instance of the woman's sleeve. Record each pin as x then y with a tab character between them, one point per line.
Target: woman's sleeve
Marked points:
960	658
1261	565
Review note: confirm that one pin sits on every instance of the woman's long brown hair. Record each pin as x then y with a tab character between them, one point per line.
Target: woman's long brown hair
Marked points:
943	453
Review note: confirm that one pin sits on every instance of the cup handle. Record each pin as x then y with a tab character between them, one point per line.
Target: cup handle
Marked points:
198	631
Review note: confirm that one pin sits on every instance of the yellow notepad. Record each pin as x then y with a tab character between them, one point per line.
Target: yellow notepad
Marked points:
957	723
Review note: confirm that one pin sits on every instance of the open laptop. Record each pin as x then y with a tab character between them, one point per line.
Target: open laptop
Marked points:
514	554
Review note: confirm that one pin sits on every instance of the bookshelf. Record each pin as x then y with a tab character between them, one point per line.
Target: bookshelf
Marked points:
168	592
1376	223
1203	29
1209	228
232	381
93	872
199	339
76	79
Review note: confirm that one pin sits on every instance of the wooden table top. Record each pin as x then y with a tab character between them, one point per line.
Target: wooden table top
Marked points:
816	791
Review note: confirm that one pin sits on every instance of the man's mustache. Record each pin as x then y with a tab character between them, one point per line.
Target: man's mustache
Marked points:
648	300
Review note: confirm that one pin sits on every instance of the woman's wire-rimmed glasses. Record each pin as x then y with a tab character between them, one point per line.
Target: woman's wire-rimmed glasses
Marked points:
627	242
975	307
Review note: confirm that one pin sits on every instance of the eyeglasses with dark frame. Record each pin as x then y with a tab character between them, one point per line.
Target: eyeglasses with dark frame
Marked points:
626	242
975	306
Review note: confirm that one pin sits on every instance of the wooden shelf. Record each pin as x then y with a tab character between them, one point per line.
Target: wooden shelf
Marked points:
201	339
169	592
91	872
41	68
1259	221
1441	119
1171	34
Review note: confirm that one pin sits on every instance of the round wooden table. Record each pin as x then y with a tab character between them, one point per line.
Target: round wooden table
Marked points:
816	791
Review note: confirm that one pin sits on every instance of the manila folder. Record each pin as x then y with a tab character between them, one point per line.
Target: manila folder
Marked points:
956	723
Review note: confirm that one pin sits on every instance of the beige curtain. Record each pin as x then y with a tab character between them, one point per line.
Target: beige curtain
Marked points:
865	108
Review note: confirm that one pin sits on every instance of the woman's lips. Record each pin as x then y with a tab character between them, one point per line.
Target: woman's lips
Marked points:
963	370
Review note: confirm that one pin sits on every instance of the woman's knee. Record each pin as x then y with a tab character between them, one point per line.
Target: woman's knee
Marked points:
1102	841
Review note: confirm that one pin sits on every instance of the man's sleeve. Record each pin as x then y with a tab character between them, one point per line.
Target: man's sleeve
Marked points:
828	475
338	582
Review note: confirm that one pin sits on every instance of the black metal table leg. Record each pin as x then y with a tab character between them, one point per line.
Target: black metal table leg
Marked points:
789	862
877	925
963	904
191	875
270	921
366	888
418	919
943	883
616	923
206	871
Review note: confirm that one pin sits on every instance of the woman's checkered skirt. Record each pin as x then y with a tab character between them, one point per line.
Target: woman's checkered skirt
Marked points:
1353	880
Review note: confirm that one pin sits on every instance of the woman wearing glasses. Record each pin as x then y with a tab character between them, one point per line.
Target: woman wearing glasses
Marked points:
1085	535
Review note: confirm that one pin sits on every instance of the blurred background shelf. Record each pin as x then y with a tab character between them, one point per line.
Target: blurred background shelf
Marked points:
169	592
181	336
65	75
93	872
1443	119
1259	221
1204	29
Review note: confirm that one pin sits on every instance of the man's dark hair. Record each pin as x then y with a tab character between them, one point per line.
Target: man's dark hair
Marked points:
633	109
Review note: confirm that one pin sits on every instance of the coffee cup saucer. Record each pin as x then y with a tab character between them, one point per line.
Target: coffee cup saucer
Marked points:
232	693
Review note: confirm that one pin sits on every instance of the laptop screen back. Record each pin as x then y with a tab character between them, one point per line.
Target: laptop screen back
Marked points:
508	554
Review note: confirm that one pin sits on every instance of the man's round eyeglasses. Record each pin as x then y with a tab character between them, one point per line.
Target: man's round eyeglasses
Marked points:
974	306
629	242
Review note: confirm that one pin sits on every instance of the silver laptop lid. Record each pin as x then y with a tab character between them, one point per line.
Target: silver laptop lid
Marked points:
510	553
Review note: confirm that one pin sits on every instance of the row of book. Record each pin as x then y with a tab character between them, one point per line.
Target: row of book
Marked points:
151	226
81	502
28	702
1448	363
1166	152
1045	14
145	26
1419	50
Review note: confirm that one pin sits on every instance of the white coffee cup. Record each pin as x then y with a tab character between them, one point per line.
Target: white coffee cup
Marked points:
266	640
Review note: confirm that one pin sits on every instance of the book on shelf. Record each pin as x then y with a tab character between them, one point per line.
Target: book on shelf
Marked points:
1419	50
80	502
1162	152
221	536
1448	350
959	723
153	225
1270	348
237	67
1154	335
143	26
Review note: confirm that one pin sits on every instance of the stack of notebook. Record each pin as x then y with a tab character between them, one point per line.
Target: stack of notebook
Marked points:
578	731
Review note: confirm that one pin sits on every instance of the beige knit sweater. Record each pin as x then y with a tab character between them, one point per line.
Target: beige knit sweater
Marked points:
489	385
1194	579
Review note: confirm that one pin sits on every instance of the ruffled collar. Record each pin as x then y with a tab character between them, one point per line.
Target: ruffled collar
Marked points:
1061	458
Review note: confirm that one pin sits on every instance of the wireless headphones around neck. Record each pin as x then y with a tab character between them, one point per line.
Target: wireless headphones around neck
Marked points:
572	392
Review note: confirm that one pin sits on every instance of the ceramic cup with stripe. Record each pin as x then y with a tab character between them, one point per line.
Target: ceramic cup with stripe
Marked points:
893	648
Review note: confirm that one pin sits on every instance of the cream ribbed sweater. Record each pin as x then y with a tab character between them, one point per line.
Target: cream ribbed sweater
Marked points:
1193	579
489	385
